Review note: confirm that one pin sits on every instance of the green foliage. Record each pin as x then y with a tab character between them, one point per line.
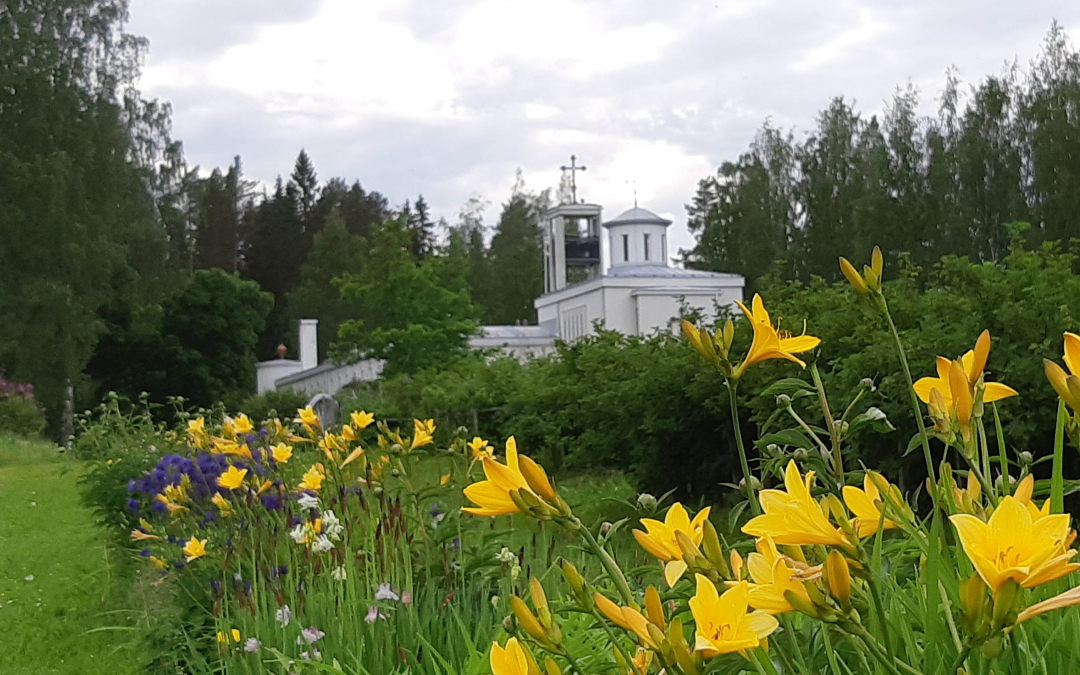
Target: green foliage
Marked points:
198	343
280	403
21	416
925	186
413	314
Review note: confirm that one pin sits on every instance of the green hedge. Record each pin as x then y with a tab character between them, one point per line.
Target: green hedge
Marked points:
649	406
21	416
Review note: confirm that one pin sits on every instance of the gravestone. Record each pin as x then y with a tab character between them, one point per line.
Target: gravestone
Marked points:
327	408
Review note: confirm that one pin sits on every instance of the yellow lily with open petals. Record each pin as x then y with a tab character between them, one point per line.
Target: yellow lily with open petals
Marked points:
769	342
1013	545
659	538
723	623
772	576
492	496
972	364
792	517
863	503
514	659
1067	384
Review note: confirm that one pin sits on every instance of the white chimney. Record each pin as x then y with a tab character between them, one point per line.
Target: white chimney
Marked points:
309	343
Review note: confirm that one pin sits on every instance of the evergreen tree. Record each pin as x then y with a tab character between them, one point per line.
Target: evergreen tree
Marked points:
515	259
304	186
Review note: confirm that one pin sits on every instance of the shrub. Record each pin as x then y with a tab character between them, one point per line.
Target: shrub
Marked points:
281	403
20	413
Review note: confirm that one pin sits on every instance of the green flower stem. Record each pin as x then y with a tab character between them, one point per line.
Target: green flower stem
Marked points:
830	424
987	486
755	506
1006	487
830	653
762	663
914	402
806	427
611	634
609	563
960	658
1057	480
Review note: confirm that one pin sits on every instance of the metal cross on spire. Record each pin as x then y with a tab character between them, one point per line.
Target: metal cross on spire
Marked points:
573	169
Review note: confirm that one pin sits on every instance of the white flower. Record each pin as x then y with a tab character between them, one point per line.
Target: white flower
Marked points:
506	555
373	614
332	526
283	615
385	592
313	655
29	577
339	573
322	544
308	502
310	635
298	533
515	571
252	645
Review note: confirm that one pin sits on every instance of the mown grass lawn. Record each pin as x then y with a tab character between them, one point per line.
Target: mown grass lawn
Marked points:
59	579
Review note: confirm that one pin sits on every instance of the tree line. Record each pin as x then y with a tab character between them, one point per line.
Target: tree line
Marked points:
123	267
1002	151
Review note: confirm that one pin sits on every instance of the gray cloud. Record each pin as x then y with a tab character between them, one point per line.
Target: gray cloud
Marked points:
682	113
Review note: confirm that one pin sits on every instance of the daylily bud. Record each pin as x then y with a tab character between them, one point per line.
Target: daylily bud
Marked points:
551	668
710	541
658	638
526	619
991	649
783	400
1026	459
685	659
610	610
530	662
1004	603
701	340
801	605
873	281
539	600
840	514
854	277
728	335
577	584
736	565
973	599
653	607
536	478
877	262
838	577
647	502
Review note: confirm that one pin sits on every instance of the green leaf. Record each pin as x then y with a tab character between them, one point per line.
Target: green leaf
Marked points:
873	417
790	386
790	437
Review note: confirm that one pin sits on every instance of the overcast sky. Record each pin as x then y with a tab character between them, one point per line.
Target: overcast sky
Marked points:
450	97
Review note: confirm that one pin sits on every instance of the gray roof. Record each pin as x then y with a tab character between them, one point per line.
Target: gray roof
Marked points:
664	272
510	332
637	216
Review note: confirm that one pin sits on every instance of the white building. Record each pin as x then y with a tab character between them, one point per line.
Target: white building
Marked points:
627	286
307	375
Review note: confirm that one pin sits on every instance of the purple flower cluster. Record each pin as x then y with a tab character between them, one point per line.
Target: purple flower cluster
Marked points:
12	389
202	473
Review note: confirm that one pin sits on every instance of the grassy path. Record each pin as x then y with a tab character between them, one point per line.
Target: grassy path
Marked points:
57	576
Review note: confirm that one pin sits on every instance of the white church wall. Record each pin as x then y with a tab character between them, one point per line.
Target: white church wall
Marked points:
635	252
269	372
620	310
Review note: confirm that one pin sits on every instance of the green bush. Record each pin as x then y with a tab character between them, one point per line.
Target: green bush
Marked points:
261	407
21	416
650	405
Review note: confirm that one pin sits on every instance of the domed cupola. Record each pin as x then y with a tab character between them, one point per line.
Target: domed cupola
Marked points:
638	237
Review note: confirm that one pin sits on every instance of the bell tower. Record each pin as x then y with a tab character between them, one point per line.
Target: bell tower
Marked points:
571	245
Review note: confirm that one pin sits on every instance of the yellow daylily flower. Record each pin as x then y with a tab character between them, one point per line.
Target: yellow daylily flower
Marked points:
282	453
224	638
972	364
348	433
1067	599
139	535
492	496
308	417
642	659
514	659
769	342
232	478
1023	494
356	454
481	449
863	503
626	618
425	425
313	478
361	419
773	576
792	517
1013	545
242	424
723	624
421	438
1067	384
444	479
221	502
659	538
194	549
158	563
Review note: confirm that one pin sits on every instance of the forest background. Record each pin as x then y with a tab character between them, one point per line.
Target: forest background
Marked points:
126	269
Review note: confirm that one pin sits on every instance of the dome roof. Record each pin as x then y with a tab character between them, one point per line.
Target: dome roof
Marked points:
637	216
